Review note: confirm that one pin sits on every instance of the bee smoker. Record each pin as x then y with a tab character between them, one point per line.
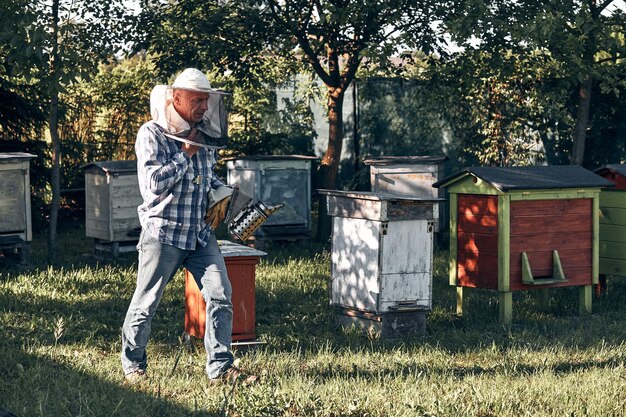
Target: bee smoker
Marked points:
251	218
245	216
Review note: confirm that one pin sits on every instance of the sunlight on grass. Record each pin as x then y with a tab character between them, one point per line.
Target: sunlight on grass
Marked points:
60	331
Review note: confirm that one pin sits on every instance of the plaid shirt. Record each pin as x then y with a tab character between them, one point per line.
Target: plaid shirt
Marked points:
174	188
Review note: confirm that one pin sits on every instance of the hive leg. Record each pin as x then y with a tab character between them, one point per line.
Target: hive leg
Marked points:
600	287
25	254
584	299
506	307
459	301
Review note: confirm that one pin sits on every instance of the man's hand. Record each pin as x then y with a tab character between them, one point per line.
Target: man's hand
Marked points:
191	150
216	214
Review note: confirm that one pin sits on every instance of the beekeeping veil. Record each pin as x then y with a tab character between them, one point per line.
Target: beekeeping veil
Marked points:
214	123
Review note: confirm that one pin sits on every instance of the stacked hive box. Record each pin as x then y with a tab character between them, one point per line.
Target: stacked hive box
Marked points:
381	263
277	179
408	175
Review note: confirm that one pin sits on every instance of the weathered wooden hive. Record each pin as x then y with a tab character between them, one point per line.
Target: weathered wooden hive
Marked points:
613	222
523	228
408	175
381	263
111	199
16	230
275	179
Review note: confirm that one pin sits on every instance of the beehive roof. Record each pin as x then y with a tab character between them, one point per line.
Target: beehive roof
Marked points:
270	158
113	166
617	168
531	177
16	155
422	159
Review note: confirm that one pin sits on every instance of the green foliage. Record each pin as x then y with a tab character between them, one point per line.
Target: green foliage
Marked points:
226	37
607	129
558	43
104	113
87	32
265	121
230	42
22	115
506	108
399	117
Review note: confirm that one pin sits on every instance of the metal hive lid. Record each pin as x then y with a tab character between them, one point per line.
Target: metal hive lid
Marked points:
388	160
113	166
16	155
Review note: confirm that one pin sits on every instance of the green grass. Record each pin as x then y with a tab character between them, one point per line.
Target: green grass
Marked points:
60	331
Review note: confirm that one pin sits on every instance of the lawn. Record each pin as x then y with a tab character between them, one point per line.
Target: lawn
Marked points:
60	341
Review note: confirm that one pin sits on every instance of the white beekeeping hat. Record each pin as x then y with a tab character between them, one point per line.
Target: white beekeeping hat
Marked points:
214	123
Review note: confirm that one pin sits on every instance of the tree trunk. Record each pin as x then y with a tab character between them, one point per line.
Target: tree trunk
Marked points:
329	165
355	133
55	176
582	119
330	162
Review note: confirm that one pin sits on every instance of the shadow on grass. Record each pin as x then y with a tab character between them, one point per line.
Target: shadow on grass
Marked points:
511	370
306	321
34	385
294	317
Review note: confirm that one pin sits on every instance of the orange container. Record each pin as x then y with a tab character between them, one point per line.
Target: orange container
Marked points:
241	264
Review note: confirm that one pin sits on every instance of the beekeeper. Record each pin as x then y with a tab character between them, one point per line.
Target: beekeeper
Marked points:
176	155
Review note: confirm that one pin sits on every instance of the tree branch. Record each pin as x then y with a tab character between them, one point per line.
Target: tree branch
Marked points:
314	59
354	61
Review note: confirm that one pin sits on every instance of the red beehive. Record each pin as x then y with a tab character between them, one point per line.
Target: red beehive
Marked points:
523	228
241	264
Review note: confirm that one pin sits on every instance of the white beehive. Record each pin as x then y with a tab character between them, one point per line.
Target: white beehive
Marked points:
15	211
408	175
111	199
277	179
381	262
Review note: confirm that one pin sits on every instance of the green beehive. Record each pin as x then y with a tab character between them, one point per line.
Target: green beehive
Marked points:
612	223
524	228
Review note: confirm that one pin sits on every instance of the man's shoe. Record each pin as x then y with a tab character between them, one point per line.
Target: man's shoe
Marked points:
234	375
136	376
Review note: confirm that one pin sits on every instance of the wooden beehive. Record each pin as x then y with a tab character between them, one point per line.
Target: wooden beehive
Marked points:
408	175
111	199
522	228
613	222
381	263
241	264
15	213
277	179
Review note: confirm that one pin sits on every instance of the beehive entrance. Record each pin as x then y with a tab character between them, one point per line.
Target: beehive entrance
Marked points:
557	272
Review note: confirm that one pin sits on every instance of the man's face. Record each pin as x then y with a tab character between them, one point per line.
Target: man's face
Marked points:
190	105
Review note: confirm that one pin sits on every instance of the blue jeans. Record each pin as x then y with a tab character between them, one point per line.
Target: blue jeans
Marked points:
158	263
